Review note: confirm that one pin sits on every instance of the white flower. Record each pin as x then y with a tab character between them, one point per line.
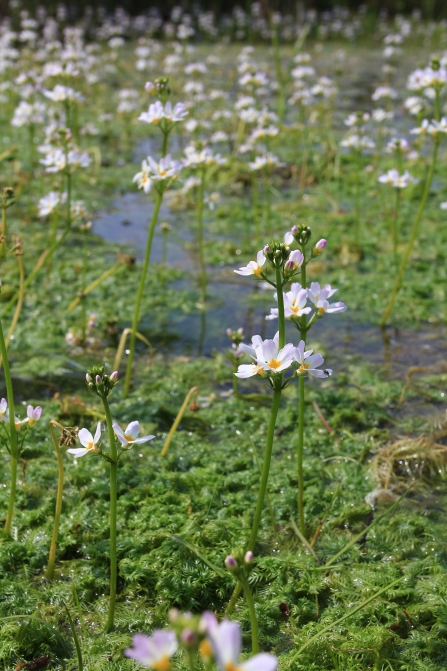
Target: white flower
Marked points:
61	93
153	172
48	203
315	290
253	267
393	178
89	442
226	640
294	303
309	363
322	304
201	157
130	435
267	160
268	358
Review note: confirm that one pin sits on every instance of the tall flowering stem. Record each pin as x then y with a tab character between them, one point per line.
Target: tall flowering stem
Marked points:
300	453
137	309
200	199
113	500
13	442
436	129
101	384
413	235
57	513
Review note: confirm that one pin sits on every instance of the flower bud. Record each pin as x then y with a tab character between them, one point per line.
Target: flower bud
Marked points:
188	637
231	563
114	376
88	378
266	250
289	267
321	244
249	557
98	379
294	230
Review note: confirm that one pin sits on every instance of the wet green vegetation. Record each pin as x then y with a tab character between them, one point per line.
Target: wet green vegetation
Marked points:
366	588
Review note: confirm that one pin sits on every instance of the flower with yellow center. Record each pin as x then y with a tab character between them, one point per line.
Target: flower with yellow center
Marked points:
90	443
309	363
226	640
130	435
254	267
268	357
154	651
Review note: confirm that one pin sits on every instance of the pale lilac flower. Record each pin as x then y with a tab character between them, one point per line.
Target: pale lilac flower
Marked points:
393	178
253	267
3	409
309	362
33	414
226	640
268	358
89	442
154	114
153	651
315	290
322	305
294	261
130	435
48	203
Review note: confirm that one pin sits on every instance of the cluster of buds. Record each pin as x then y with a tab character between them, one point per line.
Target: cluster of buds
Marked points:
99	382
277	254
7	197
237	336
240	563
159	87
302	235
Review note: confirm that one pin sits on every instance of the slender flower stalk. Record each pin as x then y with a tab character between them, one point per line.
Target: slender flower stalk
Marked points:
200	199
301	402
136	314
58	510
113	501
13	442
413	235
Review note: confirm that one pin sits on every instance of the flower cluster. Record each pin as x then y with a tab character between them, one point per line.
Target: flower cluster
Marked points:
214	642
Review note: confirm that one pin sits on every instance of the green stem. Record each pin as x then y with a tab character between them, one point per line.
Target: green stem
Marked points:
113	498
268	208
164	147
57	513
68	224
396	225
255	207
281	319
357	200
252	611
266	466
300	453
136	314
14	449
413	236
200	196
3	245
83	279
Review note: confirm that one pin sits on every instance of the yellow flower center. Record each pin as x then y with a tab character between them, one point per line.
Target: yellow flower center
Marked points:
257	270
162	173
163	664
206	649
274	363
129	438
231	666
91	446
294	307
303	367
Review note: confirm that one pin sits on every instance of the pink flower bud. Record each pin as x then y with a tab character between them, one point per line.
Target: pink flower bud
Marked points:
88	378
114	376
289	266
249	557
230	563
266	249
187	636
294	230
98	379
321	244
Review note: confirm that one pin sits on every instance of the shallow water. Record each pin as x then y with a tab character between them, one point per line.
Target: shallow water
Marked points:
231	304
